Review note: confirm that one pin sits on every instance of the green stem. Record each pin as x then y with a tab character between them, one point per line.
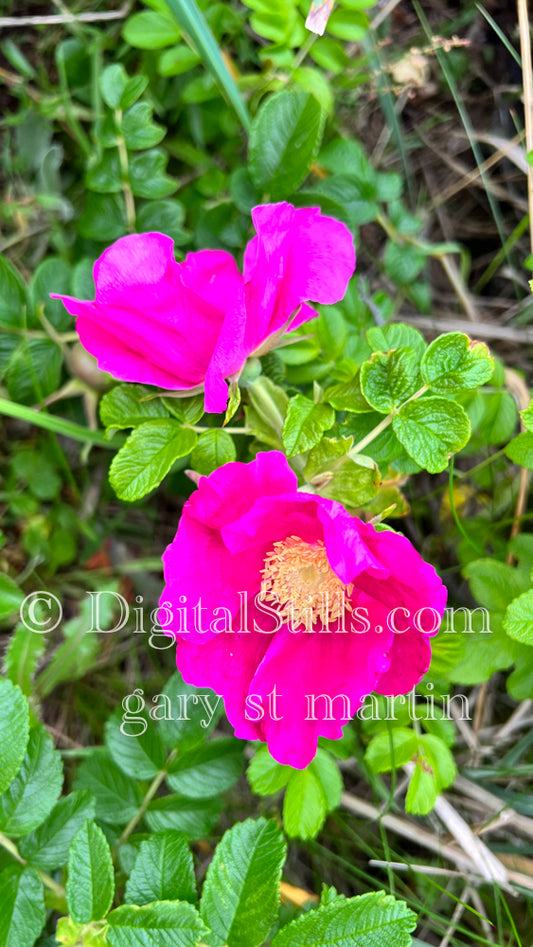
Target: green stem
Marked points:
384	423
50	422
152	789
125	171
49	882
228	430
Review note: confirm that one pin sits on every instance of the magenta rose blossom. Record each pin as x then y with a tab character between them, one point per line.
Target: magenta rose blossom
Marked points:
290	608
191	325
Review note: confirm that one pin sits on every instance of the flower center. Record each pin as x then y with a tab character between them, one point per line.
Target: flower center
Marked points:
298	578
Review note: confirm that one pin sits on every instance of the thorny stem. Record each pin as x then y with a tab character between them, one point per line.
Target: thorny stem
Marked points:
152	789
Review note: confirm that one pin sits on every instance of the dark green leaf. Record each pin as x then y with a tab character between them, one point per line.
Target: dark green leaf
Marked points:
284	140
22	913
34	791
163	924
125	406
91	880
14	729
194	817
117	796
207	770
370	920
240	898
163	871
47	847
34	371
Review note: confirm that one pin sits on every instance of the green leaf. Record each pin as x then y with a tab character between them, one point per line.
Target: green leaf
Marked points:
390	378
10	596
370	920
207	770
163	924
527	416
47	847
431	429
32	794
403	263
193	712
350	25
193	23
91	880
141	757
284	140
51	276
311	794
194	817
151	30
266	412
119	91
434	770
240	898
12	295
347	396
265	775
453	362
440	759
175	61
163	871
495	584
520	450
24	650
355	481
104	217
138	128
124	406
395	336
147	175
14	730
518	621
117	796
105	175
165	216
34	371
304	424
214	448
22	913
390	750
147	456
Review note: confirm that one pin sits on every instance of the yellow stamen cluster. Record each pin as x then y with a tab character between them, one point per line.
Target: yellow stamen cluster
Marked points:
298	578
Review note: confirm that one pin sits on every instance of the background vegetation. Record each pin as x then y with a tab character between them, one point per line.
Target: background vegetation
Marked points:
408	122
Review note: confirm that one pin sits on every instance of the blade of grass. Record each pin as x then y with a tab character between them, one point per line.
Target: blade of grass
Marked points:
500	34
192	21
527	81
50	422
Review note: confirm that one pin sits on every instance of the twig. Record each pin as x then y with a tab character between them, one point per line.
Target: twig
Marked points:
483	330
59	18
515	720
456	916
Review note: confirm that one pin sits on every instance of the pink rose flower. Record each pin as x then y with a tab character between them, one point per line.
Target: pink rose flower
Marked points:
276	597
191	325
